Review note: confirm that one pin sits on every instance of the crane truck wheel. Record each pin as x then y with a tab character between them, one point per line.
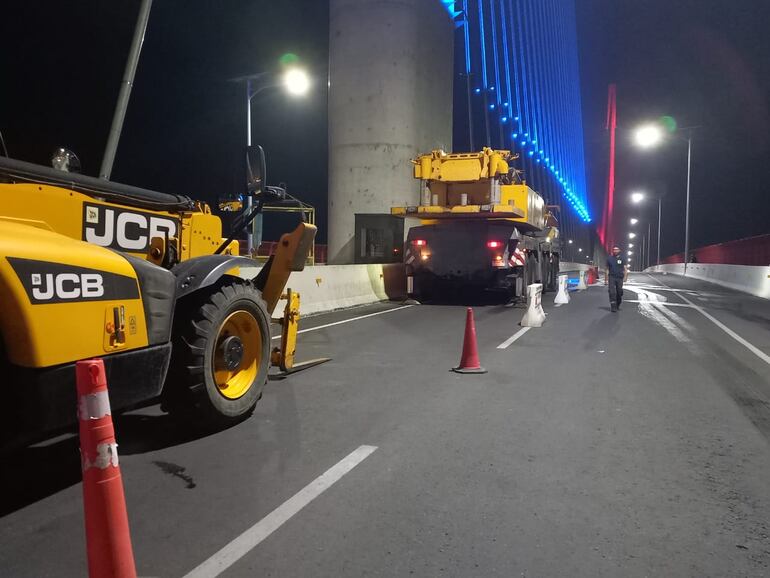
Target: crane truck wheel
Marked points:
221	355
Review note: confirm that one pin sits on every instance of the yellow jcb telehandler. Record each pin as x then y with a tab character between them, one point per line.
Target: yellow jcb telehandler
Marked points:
143	279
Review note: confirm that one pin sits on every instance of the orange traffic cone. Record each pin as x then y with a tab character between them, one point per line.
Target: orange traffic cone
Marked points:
469	362
108	540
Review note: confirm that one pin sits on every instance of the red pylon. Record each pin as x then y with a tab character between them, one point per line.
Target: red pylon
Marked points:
469	362
108	540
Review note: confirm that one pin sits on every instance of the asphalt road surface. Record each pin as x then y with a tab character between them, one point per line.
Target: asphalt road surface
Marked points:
602	444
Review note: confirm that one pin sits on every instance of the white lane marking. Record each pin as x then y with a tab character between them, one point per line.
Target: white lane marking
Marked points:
244	543
649	307
349	320
676	318
665	304
750	346
514	337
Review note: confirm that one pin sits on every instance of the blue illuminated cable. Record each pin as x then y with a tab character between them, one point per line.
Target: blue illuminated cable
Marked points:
526	124
545	68
579	119
506	62
482	42
537	67
564	114
519	111
495	57
531	74
553	88
467	34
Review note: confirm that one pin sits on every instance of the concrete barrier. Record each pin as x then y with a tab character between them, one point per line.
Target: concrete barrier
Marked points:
329	287
562	296
571	267
746	278
534	316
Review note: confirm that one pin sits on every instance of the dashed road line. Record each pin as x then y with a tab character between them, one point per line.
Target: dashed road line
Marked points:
514	337
251	538
349	320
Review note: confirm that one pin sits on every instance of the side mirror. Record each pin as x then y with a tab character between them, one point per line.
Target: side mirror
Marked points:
255	169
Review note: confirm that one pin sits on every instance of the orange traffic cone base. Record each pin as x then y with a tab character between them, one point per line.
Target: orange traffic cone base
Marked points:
469	369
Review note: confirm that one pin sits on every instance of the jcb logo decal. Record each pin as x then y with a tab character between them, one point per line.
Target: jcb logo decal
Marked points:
124	230
67	286
47	282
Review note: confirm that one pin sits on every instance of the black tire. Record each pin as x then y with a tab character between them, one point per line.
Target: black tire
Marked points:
234	308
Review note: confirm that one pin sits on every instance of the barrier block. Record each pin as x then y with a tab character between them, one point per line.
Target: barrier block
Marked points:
562	296
535	316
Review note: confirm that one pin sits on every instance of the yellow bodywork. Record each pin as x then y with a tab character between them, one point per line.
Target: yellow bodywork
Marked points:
283	357
470	185
39	334
80	216
440	166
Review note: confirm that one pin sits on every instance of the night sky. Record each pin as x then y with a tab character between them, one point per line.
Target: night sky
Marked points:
706	63
62	63
703	62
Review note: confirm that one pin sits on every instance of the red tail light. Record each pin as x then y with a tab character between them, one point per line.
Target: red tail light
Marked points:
494	244
419	242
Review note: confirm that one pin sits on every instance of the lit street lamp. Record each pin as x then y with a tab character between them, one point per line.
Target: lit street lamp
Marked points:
295	82
637	197
634	221
648	136
631	235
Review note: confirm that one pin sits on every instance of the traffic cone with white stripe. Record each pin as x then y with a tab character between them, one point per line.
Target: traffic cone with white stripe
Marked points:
469	361
108	540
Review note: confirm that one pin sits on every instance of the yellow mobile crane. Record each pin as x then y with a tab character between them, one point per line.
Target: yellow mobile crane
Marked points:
481	228
92	268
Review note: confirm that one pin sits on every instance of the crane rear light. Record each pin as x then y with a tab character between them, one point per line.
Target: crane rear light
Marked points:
419	242
494	244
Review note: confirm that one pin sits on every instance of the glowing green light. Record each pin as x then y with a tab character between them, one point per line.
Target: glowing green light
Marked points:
288	58
668	123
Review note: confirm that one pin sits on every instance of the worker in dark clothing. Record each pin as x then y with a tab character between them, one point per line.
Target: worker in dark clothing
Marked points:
617	272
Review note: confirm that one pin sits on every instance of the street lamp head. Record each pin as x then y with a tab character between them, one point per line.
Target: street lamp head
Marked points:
630	245
570	241
648	136
637	197
631	235
296	81
630	253
634	221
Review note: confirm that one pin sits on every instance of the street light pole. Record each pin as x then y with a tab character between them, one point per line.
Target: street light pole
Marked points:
687	205
105	171
649	236
660	212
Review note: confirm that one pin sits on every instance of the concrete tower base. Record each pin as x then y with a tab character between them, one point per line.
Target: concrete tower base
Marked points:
390	98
